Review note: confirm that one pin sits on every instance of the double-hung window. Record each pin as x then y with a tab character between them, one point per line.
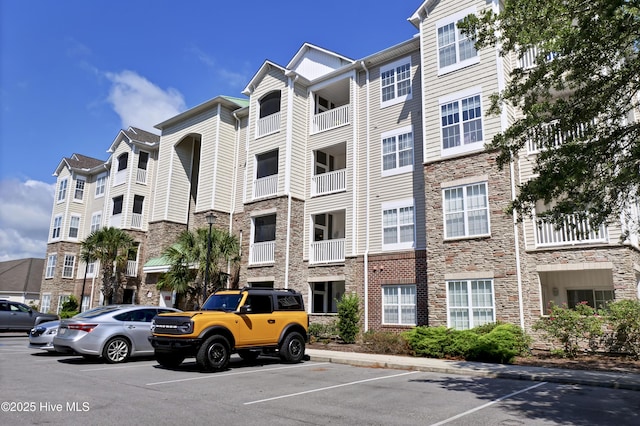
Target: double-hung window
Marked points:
96	221
395	81
101	182
45	302
397	151
461	122
455	50
399	304
79	192
69	263
398	225
62	190
57	226
470	303
51	267
466	211
74	225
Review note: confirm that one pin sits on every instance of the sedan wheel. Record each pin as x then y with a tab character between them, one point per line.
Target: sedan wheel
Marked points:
116	350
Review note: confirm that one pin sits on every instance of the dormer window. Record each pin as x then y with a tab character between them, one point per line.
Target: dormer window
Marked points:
270	104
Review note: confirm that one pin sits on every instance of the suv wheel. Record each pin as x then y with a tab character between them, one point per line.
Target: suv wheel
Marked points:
169	360
116	350
214	354
292	348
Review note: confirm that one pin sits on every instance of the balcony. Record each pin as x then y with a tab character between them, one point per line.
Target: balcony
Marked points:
572	231
120	177
136	220
265	187
268	125
327	251
132	268
528	60
331	119
552	132
262	253
116	220
141	176
328	183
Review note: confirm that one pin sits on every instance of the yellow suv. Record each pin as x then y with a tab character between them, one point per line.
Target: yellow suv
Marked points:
249	321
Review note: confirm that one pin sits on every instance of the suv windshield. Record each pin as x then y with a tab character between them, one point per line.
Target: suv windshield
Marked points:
222	302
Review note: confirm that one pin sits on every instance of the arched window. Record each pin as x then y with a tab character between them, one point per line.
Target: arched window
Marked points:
270	104
122	161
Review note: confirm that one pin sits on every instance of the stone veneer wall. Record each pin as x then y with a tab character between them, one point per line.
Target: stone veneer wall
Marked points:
395	269
57	285
480	257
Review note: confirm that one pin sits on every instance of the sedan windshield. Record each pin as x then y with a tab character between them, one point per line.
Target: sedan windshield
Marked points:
222	302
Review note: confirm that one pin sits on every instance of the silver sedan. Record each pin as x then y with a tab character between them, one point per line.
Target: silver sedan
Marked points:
113	333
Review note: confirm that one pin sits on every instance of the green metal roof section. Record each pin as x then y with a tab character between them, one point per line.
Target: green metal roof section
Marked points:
157	261
241	102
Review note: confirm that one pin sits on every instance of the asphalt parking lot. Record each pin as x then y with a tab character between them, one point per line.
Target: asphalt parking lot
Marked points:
37	388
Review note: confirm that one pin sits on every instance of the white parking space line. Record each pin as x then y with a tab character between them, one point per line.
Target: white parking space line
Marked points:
330	387
488	404
217	375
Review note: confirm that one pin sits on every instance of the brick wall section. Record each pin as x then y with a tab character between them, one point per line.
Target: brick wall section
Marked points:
394	269
494	255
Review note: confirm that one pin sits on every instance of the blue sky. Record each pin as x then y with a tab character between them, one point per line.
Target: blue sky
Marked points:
74	72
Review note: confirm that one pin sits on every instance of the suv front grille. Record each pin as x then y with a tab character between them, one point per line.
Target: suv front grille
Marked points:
171	325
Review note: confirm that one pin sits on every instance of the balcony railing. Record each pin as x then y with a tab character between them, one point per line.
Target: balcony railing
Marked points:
265	187
136	220
331	119
327	251
267	125
264	252
327	183
132	268
528	60
141	176
552	132
120	177
573	230
116	220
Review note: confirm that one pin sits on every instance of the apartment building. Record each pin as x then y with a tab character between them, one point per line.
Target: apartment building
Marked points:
366	176
92	193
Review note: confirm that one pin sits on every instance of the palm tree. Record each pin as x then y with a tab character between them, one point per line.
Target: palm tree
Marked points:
188	260
111	247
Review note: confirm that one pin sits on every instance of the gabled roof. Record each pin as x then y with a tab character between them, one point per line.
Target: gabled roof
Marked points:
266	66
133	135
21	275
312	61
422	12
79	162
228	101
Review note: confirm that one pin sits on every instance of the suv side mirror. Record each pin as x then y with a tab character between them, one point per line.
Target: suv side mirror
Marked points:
246	309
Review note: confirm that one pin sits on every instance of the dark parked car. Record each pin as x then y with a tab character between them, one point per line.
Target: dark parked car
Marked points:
16	316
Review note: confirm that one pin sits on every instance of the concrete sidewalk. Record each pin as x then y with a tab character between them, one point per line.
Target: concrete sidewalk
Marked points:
558	375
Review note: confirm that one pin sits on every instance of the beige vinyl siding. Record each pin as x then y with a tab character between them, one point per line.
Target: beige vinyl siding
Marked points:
180	185
482	75
126	189
205	126
161	182
240	164
299	164
225	162
341	201
273	80
385	189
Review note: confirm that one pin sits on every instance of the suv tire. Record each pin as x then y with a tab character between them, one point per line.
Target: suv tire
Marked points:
214	354
292	348
169	360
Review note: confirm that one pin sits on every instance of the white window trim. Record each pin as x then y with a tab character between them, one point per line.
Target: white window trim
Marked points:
78	228
104	187
93	216
75	189
400	323
470	299
42	305
397	99
66	189
459	97
459	64
50	269
444	213
394	133
64	265
60	228
398	204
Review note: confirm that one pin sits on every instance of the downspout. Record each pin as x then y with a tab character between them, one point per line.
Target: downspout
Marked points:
367	208
287	176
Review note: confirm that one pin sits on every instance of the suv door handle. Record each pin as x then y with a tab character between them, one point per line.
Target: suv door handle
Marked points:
271	321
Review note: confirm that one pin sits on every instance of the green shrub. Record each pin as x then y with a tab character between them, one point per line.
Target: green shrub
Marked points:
69	308
322	332
348	318
623	318
503	343
384	342
574	329
428	342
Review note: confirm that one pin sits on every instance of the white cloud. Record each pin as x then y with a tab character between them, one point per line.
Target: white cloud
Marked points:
24	218
140	103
